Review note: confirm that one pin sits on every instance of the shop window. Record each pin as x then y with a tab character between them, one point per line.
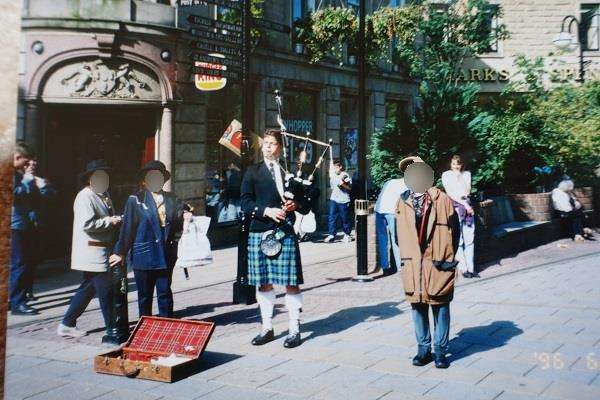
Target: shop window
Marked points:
590	27
223	165
299	117
349	132
492	20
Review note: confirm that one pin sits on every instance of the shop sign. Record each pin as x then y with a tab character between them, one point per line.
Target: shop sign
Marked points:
484	75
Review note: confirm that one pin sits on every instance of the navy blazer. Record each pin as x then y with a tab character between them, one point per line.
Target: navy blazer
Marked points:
258	192
151	246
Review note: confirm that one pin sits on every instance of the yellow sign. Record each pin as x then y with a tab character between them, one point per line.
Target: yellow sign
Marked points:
208	83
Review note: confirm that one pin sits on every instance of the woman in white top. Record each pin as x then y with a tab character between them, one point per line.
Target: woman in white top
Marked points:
457	184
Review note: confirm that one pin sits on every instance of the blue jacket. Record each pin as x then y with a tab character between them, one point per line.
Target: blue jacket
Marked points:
29	202
151	246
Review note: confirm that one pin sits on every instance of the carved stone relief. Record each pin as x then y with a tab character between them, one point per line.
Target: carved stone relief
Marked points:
102	80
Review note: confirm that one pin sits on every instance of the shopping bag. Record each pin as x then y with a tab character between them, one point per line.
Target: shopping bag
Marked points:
194	247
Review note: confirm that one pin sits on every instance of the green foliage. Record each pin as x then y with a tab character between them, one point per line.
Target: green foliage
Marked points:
538	127
385	151
234	16
331	28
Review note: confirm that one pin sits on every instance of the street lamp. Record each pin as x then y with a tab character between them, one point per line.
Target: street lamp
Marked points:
565	40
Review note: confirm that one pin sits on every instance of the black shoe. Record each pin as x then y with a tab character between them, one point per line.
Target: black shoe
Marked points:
388	272
475	275
265	338
441	361
292	341
467	275
29	296
24	309
422	358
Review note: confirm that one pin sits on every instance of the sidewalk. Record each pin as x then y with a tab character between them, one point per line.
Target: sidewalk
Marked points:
529	328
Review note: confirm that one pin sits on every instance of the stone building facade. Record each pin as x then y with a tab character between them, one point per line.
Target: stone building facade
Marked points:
533	26
113	79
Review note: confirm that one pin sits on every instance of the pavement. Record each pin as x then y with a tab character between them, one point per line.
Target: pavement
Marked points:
529	328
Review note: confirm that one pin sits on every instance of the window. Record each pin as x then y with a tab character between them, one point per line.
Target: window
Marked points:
355	5
492	20
590	27
302	8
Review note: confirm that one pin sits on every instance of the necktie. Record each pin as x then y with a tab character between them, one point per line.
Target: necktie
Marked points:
272	170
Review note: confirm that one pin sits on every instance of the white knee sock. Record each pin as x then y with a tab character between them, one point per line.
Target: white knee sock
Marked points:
293	303
266	302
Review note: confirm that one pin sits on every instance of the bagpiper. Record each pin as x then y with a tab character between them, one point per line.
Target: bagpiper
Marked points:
268	197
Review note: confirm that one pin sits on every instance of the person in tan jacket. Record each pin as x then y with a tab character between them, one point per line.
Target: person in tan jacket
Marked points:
427	230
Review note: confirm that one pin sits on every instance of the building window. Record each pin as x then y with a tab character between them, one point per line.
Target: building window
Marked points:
302	8
493	23
349	132
590	26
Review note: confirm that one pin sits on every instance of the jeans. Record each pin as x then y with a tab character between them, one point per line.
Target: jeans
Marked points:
385	226
93	283
343	211
441	321
146	281
20	265
466	248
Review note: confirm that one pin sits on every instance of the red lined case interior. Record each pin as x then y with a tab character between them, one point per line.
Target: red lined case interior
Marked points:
156	336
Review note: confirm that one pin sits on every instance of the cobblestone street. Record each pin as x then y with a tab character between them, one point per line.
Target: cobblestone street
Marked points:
528	329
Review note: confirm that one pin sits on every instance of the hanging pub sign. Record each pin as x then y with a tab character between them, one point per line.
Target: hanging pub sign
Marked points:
204	77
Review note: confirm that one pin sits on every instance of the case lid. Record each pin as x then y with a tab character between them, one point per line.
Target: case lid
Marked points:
169	335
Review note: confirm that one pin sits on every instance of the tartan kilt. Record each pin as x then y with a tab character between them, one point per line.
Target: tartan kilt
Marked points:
283	269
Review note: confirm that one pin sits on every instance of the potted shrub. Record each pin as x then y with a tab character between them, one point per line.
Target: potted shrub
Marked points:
301	29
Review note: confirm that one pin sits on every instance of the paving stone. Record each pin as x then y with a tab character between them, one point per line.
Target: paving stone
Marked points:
514	384
392	351
231	392
349	376
295	386
563	375
80	390
510	367
248	378
461	391
111	381
185	389
400	366
307	369
405	384
571	391
17	363
352	392
128	395
347	358
30	386
470	375
519	396
254	361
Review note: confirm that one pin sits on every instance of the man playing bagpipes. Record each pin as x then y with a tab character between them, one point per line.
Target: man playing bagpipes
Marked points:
270	198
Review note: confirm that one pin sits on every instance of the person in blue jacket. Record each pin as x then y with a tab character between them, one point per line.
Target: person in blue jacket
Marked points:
151	222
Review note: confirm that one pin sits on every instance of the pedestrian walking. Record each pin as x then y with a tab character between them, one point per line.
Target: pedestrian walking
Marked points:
27	194
95	229
339	201
385	224
273	251
570	209
457	184
151	221
427	235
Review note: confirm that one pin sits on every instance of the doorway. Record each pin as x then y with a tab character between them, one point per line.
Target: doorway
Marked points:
75	135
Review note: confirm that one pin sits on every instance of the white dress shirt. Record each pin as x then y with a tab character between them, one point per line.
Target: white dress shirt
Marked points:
389	196
278	177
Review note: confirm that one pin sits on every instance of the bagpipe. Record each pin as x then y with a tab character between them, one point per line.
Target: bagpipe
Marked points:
297	186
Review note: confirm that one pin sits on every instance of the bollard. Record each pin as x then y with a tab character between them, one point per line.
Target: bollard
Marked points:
361	211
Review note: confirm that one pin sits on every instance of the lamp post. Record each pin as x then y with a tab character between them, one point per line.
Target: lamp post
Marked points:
565	39
361	208
243	293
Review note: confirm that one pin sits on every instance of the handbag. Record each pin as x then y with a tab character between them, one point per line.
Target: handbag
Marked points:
194	247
